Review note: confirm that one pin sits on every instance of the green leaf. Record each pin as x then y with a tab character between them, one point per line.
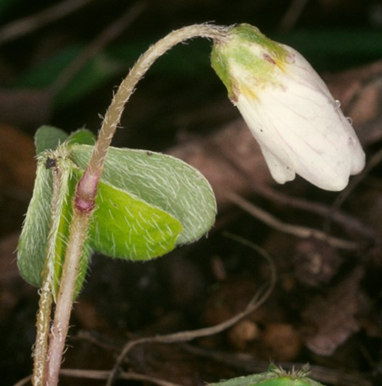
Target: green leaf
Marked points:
43	222
82	137
127	227
32	246
147	203
48	138
35	255
162	181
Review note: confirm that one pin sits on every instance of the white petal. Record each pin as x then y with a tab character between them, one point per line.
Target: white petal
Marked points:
290	111
304	130
357	155
280	172
301	71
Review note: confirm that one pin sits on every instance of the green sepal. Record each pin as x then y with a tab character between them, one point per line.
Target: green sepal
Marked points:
246	54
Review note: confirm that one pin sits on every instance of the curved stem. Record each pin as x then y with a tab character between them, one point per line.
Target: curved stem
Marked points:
86	189
88	185
127	86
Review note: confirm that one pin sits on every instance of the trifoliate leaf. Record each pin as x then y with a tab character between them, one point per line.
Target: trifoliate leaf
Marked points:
146	204
161	181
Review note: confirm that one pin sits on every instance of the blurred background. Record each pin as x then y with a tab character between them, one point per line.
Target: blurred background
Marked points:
60	62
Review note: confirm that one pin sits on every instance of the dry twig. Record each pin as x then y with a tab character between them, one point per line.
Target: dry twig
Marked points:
347	221
101	374
296	230
185	336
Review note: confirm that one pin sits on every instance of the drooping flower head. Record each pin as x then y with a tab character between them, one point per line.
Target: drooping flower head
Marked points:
299	126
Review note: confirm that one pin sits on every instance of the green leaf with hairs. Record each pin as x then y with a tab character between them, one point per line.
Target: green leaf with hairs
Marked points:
48	138
43	240
32	246
81	136
162	181
128	227
146	204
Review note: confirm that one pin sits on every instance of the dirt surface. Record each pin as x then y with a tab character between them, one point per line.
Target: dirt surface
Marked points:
325	306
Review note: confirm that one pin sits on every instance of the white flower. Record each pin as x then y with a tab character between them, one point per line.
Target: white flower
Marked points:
288	108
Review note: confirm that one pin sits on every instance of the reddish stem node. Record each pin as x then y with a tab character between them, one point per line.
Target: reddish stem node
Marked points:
86	192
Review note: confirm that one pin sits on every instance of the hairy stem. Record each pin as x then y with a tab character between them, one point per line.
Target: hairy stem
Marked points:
46	297
86	190
42	333
88	185
78	233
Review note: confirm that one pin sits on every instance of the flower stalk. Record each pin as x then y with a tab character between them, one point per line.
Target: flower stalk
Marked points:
87	187
86	190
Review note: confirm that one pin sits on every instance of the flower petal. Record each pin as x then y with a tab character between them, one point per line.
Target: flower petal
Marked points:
280	172
289	109
306	132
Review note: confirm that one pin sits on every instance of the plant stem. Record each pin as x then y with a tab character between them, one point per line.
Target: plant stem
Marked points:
86	189
88	185
46	297
42	333
78	233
